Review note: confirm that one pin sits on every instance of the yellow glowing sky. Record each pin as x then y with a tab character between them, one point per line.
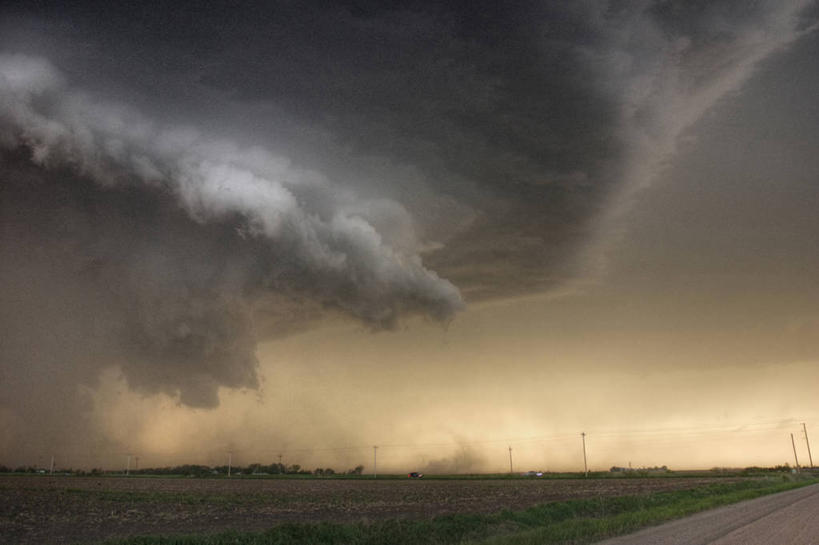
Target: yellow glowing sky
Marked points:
501	375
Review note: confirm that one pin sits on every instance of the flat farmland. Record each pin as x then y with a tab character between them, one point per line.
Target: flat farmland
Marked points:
43	509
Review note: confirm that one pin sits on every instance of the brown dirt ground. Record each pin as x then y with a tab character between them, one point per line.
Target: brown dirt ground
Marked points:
61	510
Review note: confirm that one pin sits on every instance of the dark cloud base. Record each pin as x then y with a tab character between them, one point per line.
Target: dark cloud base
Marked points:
121	276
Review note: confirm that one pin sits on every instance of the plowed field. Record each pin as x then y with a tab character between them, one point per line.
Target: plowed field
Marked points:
41	509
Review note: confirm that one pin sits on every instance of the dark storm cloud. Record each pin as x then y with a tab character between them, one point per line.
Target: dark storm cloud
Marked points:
493	108
504	132
186	290
485	123
134	239
181	181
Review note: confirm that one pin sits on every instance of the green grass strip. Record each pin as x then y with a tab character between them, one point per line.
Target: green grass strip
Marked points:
629	514
574	521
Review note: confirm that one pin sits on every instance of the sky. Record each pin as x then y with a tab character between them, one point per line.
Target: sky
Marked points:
308	229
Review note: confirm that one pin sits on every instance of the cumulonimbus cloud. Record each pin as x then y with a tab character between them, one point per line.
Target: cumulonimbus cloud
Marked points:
301	236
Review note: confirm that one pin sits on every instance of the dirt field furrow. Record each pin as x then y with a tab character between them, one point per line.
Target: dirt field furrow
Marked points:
61	510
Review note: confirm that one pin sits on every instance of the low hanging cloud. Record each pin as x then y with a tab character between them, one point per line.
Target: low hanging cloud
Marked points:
465	459
168	240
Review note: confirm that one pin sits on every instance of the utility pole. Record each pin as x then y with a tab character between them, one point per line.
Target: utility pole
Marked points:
375	462
230	462
280	460
793	444
128	465
585	465
810	458
510	461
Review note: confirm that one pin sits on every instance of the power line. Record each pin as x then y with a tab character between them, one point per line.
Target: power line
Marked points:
751	427
757	427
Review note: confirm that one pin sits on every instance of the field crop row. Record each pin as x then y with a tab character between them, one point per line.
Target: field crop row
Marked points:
73	509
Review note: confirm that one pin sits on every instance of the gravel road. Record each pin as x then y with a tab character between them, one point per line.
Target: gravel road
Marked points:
787	518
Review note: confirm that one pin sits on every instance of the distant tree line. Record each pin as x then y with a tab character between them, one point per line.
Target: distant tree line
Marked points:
655	469
194	470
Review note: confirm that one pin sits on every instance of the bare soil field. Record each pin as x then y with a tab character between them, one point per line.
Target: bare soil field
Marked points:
62	510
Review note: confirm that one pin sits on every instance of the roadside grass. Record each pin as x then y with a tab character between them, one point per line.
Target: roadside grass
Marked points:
574	521
628	514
